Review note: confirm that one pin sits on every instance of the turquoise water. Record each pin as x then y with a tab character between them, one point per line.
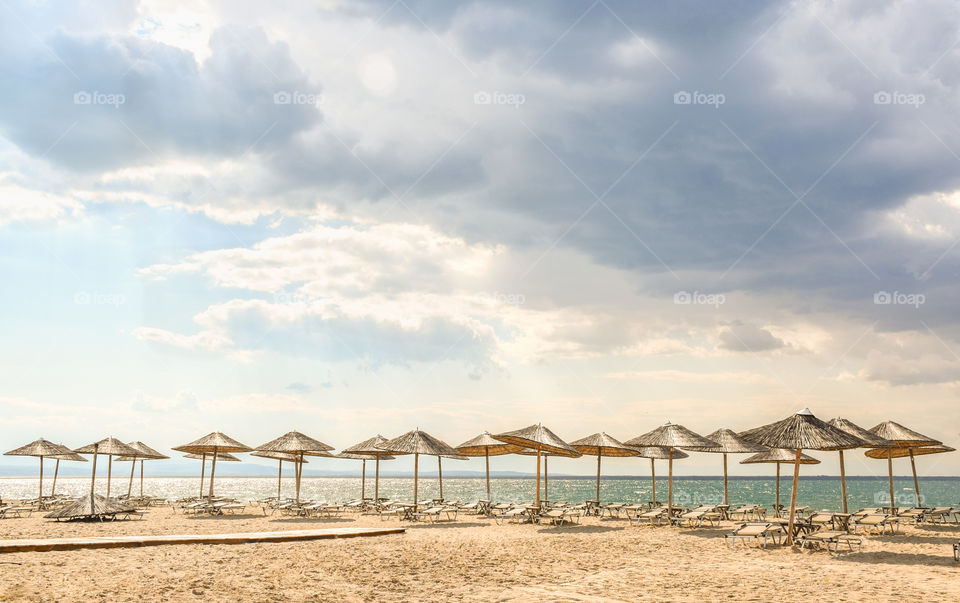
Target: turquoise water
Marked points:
816	493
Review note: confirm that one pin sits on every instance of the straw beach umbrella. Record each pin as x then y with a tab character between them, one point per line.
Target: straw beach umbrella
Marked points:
144	452
297	444
39	448
111	447
486	446
657	452
672	436
278	456
903	438
869	441
372	448
213	443
778	456
896	453
538	438
601	445
418	442
221	456
729	443
363	474
800	431
67	455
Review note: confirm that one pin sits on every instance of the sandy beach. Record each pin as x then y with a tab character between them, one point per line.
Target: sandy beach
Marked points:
471	559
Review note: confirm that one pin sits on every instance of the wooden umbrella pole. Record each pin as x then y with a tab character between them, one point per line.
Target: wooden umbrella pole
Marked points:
279	479
440	474
416	476
363	480
546	479
777	514
203	469
213	470
133	467
141	478
299	474
109	472
598	480
916	482
670	486
538	476
653	477
793	497
843	482
890	474
376	483
56	470
40	497
486	450
93	477
726	499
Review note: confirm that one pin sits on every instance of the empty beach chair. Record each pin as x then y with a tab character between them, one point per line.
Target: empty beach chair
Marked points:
757	531
877	523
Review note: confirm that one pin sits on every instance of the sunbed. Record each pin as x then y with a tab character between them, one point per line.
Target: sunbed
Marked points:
940	515
559	516
756	531
653	516
879	523
696	517
829	538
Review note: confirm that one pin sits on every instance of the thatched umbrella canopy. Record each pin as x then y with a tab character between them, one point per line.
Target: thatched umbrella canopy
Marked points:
213	443
538	438
671	437
904	438
111	447
297	444
797	432
202	457
868	439
728	442
656	452
363	474
372	447
418	442
67	455
486	446
778	456
40	448
143	452
279	456
89	507
601	445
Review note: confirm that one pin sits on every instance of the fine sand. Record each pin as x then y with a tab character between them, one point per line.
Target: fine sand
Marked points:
472	559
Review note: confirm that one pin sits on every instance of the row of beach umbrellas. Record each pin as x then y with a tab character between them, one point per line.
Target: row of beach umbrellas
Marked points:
781	442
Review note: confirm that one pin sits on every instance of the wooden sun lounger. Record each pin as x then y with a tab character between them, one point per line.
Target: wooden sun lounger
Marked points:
755	531
831	537
877	523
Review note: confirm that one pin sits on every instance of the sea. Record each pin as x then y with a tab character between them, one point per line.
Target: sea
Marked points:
822	493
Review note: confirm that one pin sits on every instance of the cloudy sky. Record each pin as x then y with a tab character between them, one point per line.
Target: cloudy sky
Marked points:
353	218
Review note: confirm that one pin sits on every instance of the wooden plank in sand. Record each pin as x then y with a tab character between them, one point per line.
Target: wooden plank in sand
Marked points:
100	542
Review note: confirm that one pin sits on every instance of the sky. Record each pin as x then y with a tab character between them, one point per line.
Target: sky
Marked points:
351	218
